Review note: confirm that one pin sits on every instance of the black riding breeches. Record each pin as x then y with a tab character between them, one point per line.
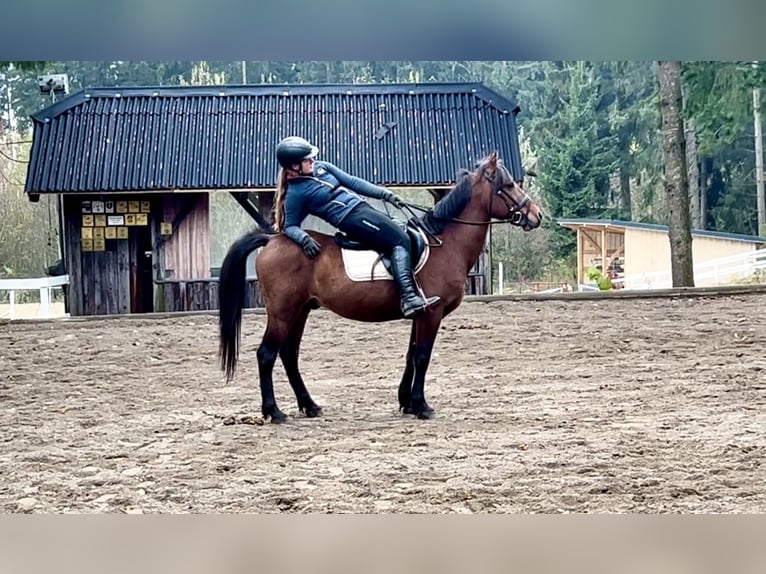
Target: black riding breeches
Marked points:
368	225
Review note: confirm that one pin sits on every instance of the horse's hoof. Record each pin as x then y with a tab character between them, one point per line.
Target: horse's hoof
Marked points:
312	411
426	413
276	416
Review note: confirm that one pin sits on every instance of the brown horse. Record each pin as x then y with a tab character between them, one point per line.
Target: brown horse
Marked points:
293	285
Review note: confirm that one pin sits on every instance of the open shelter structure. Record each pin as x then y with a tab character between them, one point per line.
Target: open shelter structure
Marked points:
134	168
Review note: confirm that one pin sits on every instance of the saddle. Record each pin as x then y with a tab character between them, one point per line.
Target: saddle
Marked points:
362	263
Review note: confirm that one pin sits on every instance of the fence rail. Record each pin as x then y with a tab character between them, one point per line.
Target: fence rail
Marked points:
199	295
42	284
723	271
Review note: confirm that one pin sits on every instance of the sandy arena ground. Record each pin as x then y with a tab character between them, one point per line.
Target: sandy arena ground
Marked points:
654	405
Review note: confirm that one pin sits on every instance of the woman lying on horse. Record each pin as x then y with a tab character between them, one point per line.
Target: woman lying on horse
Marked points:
306	186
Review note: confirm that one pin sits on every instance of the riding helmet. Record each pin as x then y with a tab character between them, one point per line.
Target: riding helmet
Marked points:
293	150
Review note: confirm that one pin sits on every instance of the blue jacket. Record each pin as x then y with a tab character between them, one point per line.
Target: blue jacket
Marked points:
329	194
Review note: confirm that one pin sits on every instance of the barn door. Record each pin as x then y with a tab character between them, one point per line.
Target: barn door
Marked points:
141	278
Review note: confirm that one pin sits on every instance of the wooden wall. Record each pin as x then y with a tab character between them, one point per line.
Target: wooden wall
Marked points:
157	257
106	242
186	253
648	251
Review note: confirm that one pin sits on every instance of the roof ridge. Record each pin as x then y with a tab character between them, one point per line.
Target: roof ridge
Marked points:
477	89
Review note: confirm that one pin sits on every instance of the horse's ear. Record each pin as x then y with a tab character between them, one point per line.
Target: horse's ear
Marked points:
492	161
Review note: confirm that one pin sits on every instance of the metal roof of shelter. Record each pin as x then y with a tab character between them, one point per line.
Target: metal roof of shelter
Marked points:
223	137
621	225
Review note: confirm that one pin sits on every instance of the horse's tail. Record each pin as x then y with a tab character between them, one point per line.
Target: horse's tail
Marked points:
231	297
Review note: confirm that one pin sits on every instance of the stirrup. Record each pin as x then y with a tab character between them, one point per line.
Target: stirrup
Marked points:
415	311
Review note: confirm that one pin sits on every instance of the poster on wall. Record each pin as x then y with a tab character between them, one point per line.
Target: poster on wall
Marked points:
109	207
115	220
97	206
85	206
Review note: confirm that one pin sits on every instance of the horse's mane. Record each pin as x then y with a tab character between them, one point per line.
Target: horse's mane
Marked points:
449	206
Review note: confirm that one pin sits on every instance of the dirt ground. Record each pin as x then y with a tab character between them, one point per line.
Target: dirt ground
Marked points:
654	405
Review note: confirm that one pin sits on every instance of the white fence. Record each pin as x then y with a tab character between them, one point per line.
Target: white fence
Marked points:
724	271
42	284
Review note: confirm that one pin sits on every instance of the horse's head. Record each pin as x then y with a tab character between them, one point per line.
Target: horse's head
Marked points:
508	201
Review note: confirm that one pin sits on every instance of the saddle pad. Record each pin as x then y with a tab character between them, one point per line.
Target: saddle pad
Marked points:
359	265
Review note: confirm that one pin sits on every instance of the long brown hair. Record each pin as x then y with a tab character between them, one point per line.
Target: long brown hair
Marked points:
279	200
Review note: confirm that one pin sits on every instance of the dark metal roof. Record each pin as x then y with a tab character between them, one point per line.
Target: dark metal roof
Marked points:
223	137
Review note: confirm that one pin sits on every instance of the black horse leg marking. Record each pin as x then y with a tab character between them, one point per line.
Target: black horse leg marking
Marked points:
405	386
289	355
426	331
267	356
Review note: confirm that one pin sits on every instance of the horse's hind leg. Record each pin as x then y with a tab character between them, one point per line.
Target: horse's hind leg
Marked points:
289	355
427	327
405	386
273	338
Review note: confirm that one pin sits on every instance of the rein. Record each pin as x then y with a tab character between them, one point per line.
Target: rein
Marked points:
515	211
411	206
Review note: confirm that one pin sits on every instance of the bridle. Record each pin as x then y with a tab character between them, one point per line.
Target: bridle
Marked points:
517	215
517	211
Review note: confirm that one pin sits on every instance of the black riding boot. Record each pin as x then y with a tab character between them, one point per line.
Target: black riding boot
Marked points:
412	301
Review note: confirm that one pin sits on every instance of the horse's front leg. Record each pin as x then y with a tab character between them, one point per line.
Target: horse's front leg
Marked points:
405	386
426	329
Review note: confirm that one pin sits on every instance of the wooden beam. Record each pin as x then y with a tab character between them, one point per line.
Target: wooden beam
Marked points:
580	257
617	252
244	201
437	194
591	240
603	251
264	202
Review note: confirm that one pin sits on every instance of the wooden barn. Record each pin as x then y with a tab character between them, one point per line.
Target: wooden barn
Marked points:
637	254
134	169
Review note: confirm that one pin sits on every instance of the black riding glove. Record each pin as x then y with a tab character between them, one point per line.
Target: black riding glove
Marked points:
394	200
310	247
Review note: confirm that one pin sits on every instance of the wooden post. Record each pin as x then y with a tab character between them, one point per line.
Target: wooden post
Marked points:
580	257
604	269
759	162
45	300
488	269
704	185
